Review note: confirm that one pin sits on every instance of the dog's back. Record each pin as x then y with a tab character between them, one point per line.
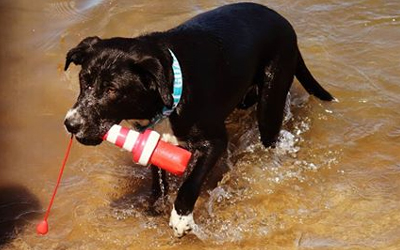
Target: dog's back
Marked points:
228	49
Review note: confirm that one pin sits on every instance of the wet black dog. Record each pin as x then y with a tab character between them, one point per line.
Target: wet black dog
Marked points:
231	57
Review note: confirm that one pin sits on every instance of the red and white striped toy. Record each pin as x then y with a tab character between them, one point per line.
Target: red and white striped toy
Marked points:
147	148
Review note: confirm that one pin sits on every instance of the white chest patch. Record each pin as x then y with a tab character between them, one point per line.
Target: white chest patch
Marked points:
169	138
181	224
164	129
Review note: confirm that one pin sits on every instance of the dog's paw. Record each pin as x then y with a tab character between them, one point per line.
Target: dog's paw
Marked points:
181	224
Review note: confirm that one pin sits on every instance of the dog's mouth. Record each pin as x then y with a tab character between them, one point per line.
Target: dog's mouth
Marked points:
88	129
93	137
89	141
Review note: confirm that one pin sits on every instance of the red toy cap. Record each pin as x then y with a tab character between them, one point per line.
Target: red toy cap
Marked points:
170	158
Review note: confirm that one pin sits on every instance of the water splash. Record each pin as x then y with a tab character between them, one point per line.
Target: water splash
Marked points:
256	174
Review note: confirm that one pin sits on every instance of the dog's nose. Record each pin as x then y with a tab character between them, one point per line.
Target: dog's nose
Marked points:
73	121
72	125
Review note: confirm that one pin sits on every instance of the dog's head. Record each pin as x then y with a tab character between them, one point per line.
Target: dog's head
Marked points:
119	79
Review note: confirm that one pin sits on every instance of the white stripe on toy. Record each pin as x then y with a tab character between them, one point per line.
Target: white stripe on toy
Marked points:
113	133
148	149
130	140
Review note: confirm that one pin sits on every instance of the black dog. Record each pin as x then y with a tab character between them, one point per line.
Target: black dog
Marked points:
230	57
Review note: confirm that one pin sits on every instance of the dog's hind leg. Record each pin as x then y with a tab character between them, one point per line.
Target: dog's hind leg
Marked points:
272	99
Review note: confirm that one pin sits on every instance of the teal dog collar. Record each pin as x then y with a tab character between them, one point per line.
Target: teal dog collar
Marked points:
176	94
178	85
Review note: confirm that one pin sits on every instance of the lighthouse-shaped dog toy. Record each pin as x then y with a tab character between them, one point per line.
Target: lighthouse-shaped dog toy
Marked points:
147	148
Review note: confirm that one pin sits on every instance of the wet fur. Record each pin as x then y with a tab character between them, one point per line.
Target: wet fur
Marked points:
231	57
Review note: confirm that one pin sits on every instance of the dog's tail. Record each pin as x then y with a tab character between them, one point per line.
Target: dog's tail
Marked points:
308	81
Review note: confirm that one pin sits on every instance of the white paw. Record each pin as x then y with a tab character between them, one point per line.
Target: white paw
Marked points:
181	224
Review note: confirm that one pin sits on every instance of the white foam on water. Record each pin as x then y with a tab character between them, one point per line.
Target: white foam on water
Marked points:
288	114
286	143
217	195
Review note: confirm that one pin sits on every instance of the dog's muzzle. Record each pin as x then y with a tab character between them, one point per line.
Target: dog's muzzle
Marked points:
73	121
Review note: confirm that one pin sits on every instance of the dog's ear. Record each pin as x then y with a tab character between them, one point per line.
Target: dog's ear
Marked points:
158	79
81	52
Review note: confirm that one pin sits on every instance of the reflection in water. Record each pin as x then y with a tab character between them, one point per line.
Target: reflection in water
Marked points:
332	182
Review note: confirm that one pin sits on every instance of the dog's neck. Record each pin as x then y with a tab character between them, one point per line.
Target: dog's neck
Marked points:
176	94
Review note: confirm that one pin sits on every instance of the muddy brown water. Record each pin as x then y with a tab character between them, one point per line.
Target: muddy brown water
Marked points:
332	183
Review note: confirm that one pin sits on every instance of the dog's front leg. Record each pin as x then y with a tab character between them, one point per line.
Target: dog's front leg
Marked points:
206	154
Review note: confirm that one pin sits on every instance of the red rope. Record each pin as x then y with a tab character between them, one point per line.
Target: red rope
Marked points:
59	177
